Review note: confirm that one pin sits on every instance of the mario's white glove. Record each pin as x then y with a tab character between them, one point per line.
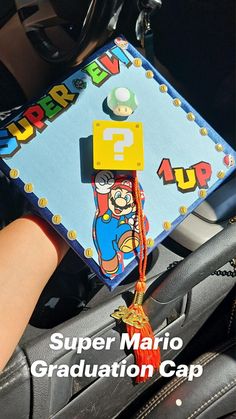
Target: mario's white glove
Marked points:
133	222
104	180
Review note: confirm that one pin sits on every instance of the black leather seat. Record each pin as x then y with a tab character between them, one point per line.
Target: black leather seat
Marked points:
15	388
210	396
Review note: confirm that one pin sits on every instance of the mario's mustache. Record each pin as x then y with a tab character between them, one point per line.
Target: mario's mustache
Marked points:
118	206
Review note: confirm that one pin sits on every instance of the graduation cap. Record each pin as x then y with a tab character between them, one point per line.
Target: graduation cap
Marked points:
114	158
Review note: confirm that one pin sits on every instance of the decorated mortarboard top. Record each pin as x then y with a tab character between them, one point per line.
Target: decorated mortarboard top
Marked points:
70	150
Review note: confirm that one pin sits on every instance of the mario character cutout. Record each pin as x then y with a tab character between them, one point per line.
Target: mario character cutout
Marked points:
116	230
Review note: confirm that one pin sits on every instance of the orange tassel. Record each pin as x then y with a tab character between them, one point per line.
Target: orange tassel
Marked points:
142	356
134	316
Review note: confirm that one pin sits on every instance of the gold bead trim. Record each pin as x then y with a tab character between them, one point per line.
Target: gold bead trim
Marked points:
203	131
183	210
14	173
177	102
149	74
72	235
29	187
42	202
202	193
219	147
190	116
150	242
163	88
221	174
167	225
137	62
57	219
88	253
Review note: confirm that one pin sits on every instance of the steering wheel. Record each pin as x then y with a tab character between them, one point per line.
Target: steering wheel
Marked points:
62	30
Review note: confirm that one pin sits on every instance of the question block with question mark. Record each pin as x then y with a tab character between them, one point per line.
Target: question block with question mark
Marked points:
118	145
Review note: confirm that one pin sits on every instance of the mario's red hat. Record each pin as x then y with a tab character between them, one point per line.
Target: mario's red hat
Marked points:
123	184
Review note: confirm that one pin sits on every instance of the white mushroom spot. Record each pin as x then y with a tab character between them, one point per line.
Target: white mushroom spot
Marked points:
122	94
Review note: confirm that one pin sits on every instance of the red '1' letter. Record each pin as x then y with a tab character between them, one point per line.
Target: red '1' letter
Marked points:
165	171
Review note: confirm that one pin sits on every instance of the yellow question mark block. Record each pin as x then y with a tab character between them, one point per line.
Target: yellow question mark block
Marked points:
118	145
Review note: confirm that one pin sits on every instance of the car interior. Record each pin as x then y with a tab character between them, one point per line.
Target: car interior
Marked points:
191	275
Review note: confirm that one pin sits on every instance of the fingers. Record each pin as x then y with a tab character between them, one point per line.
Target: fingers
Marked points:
104	177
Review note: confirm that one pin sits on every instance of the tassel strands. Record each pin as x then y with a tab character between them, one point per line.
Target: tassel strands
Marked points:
134	316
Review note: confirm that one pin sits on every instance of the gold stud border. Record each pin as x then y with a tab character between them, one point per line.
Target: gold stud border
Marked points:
56	219
219	147
221	174
137	62
150	242
183	210
88	253
149	74
167	225
14	173
203	131
190	116
202	193
72	235
177	102
29	187
42	202
163	88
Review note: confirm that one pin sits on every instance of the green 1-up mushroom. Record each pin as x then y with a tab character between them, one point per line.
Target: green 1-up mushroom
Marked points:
122	101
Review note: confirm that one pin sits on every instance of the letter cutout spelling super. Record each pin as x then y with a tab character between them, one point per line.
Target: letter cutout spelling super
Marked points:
24	128
8	144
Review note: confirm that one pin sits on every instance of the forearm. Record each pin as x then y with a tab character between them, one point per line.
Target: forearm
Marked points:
29	253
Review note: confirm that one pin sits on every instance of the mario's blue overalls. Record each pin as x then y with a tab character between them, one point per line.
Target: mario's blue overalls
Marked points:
109	229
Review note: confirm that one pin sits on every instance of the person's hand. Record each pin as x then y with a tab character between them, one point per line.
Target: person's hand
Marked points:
104	180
